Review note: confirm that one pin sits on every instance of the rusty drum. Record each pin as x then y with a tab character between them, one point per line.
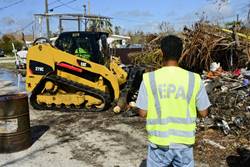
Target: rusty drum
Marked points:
15	132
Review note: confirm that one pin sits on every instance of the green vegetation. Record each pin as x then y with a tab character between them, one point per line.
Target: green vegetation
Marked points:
6	43
137	37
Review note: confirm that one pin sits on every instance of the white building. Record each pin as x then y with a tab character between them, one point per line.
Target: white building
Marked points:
117	41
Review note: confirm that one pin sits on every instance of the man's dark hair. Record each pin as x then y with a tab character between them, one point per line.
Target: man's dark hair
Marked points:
171	47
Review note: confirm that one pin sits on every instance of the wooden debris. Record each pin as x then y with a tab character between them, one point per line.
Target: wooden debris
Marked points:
203	44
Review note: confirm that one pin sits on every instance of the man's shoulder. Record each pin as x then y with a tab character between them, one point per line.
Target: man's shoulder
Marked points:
148	73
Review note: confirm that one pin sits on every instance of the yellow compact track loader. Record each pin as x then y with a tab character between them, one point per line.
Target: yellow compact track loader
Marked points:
77	74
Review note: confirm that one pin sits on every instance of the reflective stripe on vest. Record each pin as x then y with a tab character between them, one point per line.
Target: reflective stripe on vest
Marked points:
170	119
171	129
171	132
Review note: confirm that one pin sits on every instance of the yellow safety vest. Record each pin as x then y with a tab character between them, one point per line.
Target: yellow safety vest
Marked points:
171	111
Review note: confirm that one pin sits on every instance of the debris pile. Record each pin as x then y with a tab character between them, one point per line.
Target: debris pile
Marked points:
203	44
151	57
229	93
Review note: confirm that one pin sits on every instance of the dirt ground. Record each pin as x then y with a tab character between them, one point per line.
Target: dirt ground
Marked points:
82	139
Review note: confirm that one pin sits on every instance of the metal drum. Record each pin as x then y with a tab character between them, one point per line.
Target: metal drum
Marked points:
15	132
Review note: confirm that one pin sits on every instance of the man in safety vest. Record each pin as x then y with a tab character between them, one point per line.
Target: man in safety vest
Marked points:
168	99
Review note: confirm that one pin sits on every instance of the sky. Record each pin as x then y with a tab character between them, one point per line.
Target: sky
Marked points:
131	15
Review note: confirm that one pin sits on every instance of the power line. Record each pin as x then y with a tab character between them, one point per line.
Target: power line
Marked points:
67	5
63	4
10	5
31	23
52	2
26	26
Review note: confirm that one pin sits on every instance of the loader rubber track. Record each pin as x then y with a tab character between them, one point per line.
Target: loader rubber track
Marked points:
69	84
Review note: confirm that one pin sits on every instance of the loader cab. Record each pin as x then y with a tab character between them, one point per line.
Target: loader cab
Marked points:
93	43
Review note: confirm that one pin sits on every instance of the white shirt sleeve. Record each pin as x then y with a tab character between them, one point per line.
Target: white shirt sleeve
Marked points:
202	100
142	99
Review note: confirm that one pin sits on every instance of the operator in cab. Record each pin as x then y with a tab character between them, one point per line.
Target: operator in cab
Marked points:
81	50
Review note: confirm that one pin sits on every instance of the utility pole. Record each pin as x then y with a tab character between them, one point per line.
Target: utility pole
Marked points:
89	7
85	15
47	18
248	17
33	33
238	24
